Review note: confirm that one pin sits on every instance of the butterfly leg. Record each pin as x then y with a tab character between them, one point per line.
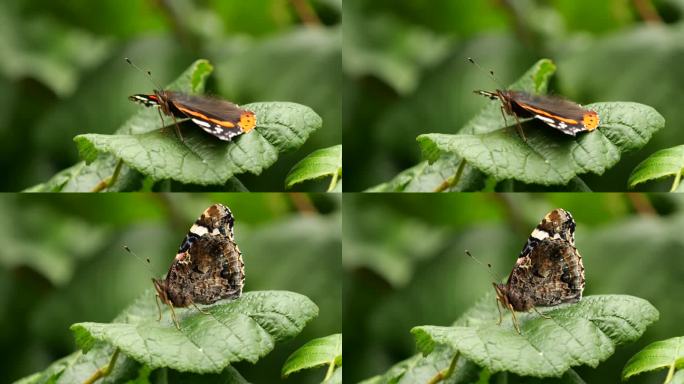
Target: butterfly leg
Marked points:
519	128
174	318
178	132
156	300
161	118
515	319
498	308
200	309
541	314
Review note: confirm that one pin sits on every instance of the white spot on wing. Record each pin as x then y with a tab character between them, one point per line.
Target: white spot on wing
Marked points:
539	234
199	230
201	123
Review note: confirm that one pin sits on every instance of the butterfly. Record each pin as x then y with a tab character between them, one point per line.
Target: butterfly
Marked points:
557	112
219	118
548	271
564	115
208	265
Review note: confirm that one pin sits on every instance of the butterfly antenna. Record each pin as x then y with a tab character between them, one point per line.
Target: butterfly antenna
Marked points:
490	72
148	73
488	266
146	261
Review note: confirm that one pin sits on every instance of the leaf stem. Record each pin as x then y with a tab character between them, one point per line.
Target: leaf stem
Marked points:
109	181
450	182
331	369
670	373
104	371
333	182
677	180
446	373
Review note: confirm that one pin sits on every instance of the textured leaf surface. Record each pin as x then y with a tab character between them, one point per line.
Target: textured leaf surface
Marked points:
661	354
317	352
244	329
201	158
577	334
549	157
666	162
320	163
426	177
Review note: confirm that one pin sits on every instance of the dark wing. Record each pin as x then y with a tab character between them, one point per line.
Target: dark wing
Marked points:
219	118
557	224
564	115
552	273
208	266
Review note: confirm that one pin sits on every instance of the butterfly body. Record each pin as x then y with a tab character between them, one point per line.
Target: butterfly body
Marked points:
208	265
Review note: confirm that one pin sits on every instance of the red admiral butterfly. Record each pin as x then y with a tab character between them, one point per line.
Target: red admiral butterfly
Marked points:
561	114
549	269
219	118
208	266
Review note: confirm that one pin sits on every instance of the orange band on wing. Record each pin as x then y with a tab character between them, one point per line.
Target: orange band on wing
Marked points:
223	123
544	113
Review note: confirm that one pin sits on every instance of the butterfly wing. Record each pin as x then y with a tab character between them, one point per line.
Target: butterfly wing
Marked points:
564	115
219	118
549	269
551	274
208	266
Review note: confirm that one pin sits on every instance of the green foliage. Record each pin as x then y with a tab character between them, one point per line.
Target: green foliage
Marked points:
389	49
62	75
666	162
618	236
661	354
583	333
547	157
86	232
199	159
320	163
508	39
243	329
324	351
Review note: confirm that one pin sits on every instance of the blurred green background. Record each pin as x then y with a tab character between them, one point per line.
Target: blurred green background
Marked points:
62	262
62	71
404	264
406	72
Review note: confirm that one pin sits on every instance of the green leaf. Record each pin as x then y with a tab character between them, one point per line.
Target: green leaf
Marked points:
582	333
548	157
661	354
320	163
202	159
324	351
666	162
242	329
426	177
